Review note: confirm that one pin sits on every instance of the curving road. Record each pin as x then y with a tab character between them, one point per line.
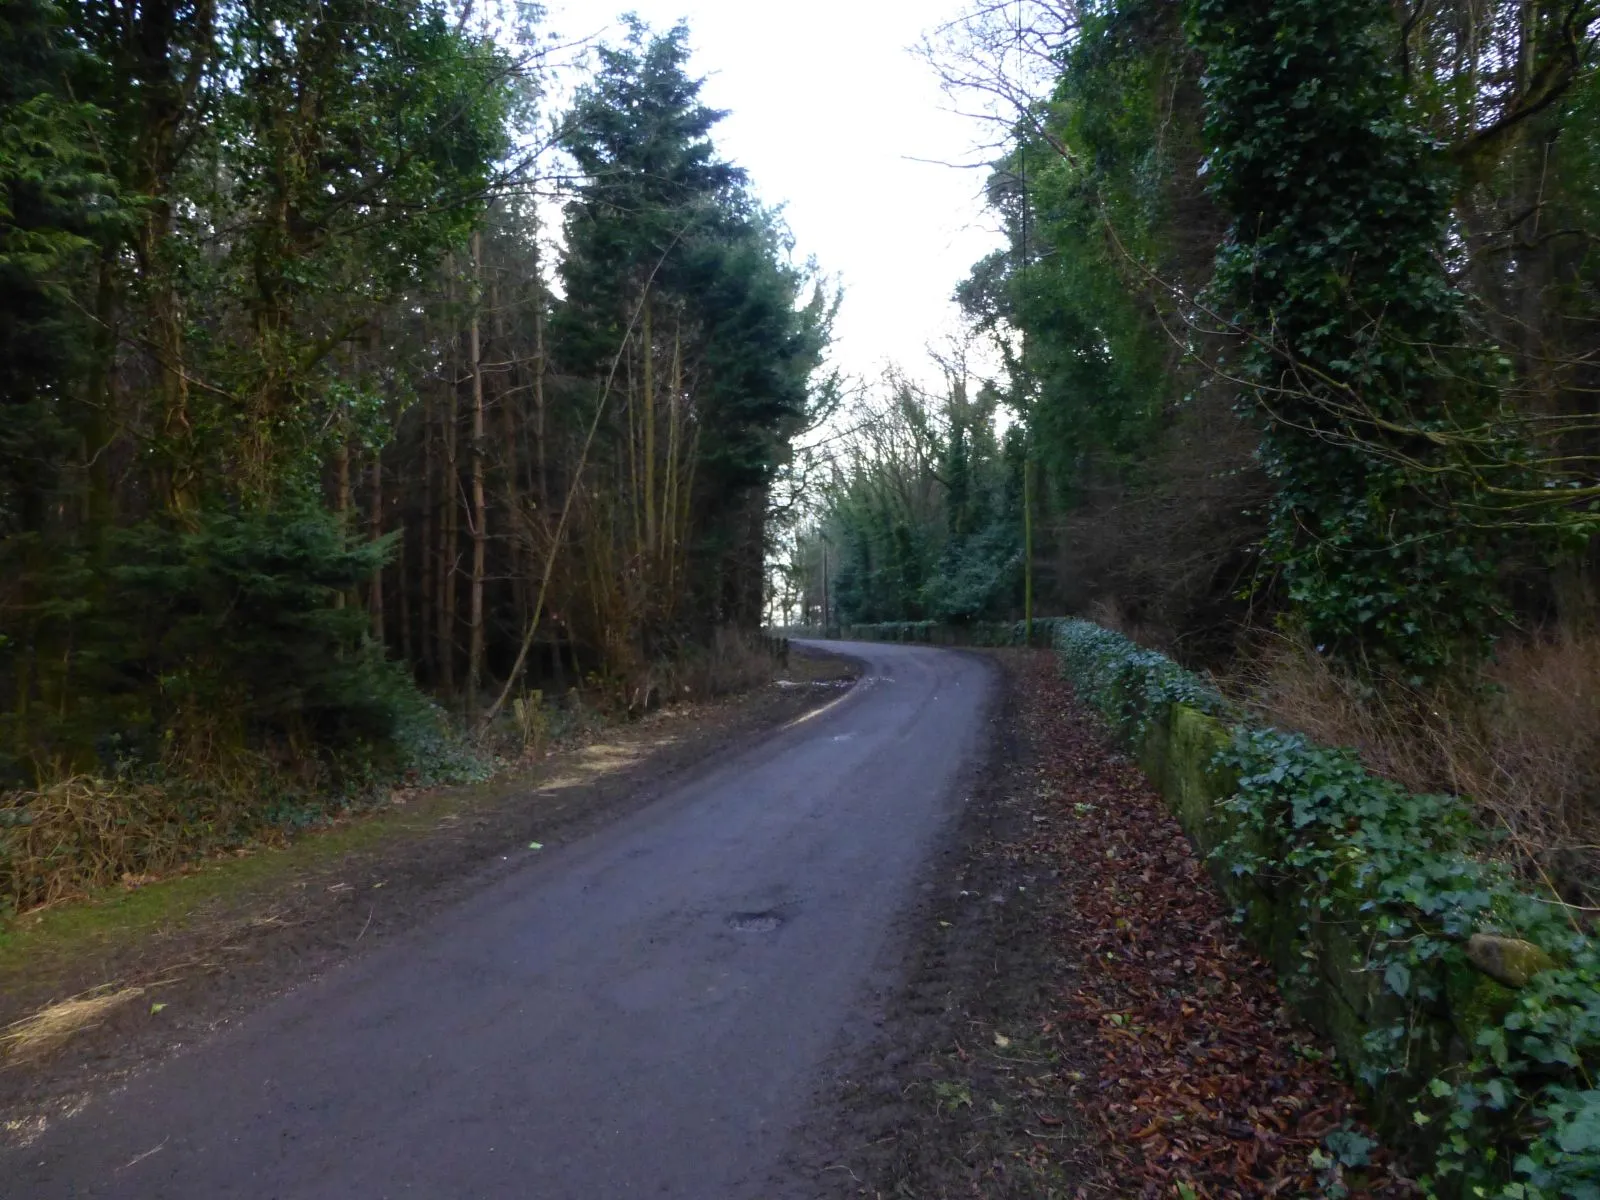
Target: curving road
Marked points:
644	1012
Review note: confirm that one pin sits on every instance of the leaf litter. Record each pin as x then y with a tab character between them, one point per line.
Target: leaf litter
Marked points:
1199	1082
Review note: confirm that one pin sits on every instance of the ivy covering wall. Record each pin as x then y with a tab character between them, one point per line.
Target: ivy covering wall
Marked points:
1465	1005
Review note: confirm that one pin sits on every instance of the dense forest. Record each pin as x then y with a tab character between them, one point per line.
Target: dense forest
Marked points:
348	385
1298	322
357	394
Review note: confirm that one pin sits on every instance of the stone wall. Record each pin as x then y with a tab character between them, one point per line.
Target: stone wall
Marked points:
1476	1051
1320	950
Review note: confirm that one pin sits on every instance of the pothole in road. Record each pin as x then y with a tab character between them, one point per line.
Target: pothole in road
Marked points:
756	922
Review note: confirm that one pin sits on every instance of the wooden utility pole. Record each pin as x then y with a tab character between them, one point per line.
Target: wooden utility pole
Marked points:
824	586
1027	459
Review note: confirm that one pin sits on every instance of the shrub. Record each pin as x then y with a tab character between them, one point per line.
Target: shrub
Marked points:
734	661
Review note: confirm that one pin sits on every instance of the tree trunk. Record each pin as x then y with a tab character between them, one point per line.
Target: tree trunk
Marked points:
538	375
635	509
341	501
650	539
511	436
669	486
102	402
449	512
425	561
375	594
449	539
479	507
407	646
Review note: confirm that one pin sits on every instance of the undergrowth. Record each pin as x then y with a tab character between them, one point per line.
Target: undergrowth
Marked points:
71	834
215	787
1519	737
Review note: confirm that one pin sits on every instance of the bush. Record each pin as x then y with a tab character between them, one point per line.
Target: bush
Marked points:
734	661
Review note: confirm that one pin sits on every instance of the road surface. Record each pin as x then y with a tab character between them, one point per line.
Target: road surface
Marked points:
642	1013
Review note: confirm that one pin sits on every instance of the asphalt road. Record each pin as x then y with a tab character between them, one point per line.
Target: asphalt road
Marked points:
644	1012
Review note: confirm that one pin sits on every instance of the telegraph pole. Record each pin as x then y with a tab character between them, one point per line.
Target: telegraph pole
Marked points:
1027	544
824	585
1027	416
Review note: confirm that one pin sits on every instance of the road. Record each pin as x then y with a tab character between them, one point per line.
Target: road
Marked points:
643	1012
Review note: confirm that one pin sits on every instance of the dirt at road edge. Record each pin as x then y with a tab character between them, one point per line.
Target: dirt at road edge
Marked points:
1078	1017
959	1095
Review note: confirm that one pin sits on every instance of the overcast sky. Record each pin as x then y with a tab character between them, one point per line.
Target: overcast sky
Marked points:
827	108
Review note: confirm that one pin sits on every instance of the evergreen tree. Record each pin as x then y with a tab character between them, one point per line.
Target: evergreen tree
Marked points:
672	264
284	394
55	203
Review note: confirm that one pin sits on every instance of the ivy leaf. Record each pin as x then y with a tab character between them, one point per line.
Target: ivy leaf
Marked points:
1581	1135
1353	1149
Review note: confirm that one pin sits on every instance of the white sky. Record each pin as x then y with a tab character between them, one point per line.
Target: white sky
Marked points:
827	107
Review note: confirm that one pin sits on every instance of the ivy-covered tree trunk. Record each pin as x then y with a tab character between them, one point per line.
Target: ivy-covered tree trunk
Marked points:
1348	330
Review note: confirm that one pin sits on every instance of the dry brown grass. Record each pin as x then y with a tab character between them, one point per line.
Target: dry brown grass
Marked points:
80	833
532	718
72	836
1521	738
37	1035
734	662
737	663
